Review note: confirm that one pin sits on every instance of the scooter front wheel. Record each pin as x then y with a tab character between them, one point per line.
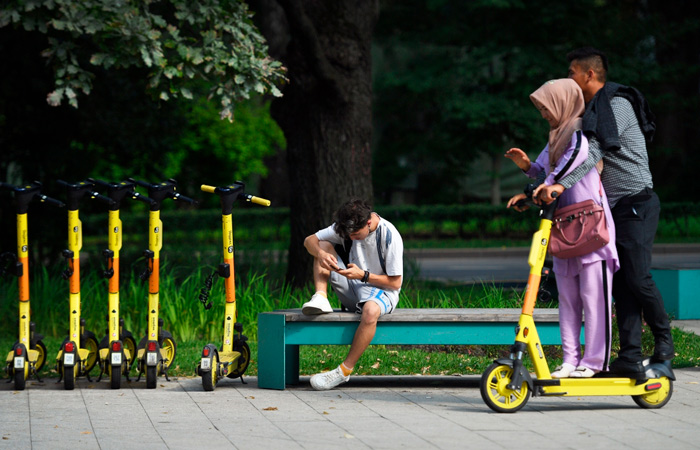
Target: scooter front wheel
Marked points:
90	343
495	391
658	398
41	359
167	344
242	362
210	377
130	345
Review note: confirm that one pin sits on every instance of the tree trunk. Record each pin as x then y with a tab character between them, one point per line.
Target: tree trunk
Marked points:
496	164
326	111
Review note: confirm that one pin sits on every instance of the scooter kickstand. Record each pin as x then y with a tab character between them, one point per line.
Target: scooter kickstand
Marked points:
36	374
165	372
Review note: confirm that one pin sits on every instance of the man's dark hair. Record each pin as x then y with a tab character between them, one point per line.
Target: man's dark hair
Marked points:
590	58
351	217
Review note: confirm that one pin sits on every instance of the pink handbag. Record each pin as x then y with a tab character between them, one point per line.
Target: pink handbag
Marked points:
578	229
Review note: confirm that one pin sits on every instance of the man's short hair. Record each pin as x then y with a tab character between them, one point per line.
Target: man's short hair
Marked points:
351	217
590	58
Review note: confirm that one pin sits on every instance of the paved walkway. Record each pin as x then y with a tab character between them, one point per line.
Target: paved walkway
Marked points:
368	412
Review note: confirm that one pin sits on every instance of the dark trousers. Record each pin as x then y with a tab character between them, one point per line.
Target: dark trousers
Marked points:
635	293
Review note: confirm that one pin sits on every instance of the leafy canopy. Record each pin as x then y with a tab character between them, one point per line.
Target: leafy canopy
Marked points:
177	41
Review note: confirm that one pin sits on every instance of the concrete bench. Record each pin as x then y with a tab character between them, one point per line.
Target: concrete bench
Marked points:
280	333
679	287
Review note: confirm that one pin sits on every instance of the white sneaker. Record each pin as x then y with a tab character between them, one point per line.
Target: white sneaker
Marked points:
328	380
317	305
563	371
582	372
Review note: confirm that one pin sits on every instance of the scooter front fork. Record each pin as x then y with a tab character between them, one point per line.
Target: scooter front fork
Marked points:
520	374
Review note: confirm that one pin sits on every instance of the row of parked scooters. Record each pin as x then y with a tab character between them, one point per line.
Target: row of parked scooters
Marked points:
117	352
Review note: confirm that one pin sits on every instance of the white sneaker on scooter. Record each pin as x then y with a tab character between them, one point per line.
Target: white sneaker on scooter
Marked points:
318	304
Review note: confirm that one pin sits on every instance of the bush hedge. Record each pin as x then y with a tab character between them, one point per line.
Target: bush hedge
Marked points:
435	222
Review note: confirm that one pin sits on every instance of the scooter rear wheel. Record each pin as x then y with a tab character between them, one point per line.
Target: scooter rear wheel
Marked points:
151	377
210	377
20	379
69	377
115	376
658	398
495	393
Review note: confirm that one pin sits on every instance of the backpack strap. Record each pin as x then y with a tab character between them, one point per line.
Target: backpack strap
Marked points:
380	251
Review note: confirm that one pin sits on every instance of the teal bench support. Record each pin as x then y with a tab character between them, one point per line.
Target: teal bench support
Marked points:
280	333
679	287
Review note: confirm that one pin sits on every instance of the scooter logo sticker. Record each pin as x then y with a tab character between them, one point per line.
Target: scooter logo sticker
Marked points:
544	242
116	229
24	249
156	230
230	249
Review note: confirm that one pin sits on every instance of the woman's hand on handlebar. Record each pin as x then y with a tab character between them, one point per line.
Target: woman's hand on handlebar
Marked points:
546	193
517	202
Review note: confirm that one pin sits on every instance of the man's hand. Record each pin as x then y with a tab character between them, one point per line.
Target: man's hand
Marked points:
352	272
328	261
543	193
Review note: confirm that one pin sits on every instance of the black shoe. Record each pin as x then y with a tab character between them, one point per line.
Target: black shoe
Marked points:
663	349
629	369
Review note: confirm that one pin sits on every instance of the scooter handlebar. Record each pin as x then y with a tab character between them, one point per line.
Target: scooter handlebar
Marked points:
136	196
180	197
258	200
51	201
228	190
139	182
100	197
100	183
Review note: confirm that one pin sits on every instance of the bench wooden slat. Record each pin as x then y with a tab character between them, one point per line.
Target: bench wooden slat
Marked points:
428	314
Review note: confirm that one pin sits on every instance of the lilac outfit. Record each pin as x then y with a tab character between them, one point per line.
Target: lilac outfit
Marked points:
584	282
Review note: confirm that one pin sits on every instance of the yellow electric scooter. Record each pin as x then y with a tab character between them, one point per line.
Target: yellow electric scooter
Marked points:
118	347
79	351
156	351
506	385
28	354
233	358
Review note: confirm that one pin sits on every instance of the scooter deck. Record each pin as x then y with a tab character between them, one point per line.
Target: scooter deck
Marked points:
598	386
229	357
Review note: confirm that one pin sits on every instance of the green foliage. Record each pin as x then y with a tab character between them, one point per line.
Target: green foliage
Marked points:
240	146
178	41
452	86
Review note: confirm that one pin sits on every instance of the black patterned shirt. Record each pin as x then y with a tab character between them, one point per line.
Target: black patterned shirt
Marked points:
626	171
